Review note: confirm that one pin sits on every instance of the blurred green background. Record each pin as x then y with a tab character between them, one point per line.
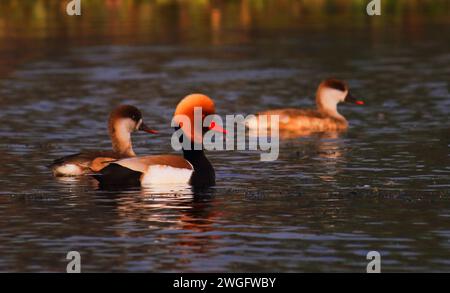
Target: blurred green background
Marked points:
30	27
183	20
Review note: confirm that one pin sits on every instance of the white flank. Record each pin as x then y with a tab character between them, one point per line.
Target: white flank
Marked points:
68	170
160	174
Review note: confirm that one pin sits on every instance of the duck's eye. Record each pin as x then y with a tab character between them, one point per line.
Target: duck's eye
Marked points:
217	128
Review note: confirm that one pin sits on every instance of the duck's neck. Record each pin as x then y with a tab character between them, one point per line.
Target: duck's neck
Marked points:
121	139
204	174
327	105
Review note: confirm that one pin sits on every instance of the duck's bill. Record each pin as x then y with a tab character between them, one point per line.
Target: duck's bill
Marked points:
217	128
147	129
351	99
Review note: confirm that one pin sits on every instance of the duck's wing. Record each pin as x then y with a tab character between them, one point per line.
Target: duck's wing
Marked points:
82	163
141	164
307	121
85	157
147	169
289	113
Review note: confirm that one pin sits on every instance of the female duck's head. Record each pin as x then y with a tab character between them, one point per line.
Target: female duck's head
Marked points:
332	92
124	120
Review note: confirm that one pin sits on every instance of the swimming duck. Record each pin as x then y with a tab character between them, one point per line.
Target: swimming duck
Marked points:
325	117
192	168
122	121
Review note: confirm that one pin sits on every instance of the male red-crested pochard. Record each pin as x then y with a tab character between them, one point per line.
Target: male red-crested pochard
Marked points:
325	117
192	168
122	121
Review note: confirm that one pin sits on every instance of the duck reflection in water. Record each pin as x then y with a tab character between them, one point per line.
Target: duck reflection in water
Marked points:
185	212
324	151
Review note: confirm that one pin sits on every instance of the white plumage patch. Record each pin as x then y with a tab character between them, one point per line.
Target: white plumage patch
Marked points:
68	170
160	174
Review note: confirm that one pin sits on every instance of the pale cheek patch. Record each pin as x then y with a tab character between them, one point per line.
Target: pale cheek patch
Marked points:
124	126
139	124
159	174
331	97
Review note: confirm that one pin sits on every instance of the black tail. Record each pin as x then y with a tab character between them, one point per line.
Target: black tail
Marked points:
115	175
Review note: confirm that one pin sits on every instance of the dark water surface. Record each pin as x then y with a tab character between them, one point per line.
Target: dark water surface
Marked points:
328	200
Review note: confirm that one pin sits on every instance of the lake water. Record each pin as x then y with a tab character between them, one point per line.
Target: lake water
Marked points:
322	206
